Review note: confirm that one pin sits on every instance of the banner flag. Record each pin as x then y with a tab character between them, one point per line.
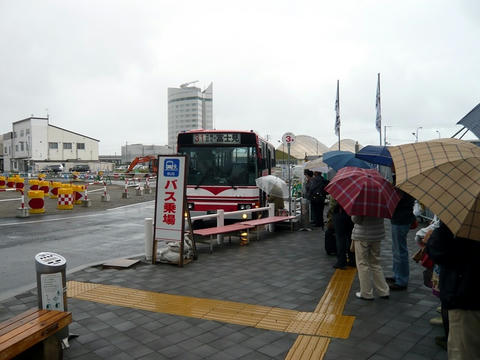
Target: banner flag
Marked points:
378	122
337	111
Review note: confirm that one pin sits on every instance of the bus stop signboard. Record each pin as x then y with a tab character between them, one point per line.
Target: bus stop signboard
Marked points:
170	202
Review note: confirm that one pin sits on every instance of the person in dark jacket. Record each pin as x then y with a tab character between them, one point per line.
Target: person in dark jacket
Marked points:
459	289
343	225
317	196
401	220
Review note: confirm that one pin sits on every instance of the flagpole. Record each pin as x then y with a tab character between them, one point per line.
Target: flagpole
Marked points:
337	114
378	120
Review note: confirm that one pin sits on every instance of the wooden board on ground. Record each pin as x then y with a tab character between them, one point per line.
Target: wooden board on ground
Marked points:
120	263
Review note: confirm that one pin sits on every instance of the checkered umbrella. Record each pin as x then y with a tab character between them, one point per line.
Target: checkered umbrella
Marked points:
444	175
363	192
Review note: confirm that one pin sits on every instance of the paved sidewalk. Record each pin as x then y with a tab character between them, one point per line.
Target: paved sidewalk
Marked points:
287	270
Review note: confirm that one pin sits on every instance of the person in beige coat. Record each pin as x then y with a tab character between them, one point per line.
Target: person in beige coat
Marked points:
367	234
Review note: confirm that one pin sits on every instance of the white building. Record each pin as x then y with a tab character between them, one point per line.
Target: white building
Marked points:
35	140
188	108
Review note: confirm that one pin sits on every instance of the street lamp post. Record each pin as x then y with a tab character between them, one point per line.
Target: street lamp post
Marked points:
416	133
438	132
385	134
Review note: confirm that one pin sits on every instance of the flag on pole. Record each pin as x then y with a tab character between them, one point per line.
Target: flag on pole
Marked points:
378	122
337	111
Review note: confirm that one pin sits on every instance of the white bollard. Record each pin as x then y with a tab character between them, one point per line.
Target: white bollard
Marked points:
86	202
271	212
125	190
220	222
105	196
148	238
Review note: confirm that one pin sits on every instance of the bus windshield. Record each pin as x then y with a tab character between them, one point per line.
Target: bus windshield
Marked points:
212	165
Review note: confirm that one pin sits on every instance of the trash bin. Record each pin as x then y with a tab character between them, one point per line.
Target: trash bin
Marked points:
52	283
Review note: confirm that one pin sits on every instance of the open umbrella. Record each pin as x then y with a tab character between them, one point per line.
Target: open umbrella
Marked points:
444	175
375	154
363	192
317	165
273	185
339	159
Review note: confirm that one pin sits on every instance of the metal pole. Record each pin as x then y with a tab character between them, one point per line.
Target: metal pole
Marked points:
289	182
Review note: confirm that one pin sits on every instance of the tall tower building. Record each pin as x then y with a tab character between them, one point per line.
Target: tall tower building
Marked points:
188	108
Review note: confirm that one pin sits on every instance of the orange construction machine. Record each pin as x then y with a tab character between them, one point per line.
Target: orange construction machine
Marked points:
150	159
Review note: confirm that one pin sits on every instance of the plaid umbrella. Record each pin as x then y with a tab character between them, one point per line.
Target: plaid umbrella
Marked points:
444	175
363	192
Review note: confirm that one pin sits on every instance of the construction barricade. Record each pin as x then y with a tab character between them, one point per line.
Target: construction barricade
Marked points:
65	198
54	189
44	186
11	182
36	203
3	183
78	193
19	183
33	184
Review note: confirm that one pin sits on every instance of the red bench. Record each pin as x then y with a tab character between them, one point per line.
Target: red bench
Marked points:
218	230
268	220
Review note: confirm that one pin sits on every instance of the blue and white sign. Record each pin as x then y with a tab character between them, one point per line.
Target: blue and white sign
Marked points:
171	167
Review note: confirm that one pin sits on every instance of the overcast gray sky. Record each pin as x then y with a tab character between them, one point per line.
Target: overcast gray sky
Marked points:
102	68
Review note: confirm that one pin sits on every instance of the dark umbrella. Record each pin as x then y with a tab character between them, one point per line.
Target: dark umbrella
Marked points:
375	154
339	159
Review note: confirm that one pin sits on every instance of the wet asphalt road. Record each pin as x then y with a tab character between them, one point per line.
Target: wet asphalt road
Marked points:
82	238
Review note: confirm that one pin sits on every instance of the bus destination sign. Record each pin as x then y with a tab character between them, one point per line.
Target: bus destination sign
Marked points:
216	138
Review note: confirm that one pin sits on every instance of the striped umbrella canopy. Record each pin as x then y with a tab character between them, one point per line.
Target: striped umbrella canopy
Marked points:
444	175
363	192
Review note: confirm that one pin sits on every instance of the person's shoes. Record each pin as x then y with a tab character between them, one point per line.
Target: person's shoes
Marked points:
439	309
436	321
396	287
359	296
390	280
385	297
441	341
341	267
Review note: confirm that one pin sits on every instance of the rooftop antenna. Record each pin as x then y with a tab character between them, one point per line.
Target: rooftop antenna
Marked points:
184	85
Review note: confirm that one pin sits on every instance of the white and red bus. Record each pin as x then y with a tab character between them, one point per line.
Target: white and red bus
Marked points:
223	166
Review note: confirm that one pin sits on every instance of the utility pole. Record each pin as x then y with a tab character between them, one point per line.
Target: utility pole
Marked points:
385	134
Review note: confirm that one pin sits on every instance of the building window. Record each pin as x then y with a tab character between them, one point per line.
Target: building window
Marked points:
16	147
80	146
21	146
67	146
15	134
27	131
21	133
53	145
6	150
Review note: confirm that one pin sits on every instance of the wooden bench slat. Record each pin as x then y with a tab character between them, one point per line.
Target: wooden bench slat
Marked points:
39	319
19	317
268	220
25	335
222	229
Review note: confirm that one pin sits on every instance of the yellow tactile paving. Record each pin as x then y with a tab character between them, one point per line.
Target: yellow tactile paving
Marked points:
308	347
331	306
263	317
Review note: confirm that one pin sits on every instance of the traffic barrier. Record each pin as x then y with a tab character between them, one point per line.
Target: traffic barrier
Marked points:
22	211
105	196
125	192
11	182
36	203
147	188
54	189
44	186
65	198
33	184
3	183
86	202
78	193
19	183
41	176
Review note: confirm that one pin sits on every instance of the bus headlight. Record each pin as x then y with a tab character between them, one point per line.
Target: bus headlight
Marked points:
244	216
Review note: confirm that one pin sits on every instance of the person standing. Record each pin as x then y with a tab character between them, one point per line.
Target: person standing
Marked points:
317	198
401	220
459	289
343	225
367	234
